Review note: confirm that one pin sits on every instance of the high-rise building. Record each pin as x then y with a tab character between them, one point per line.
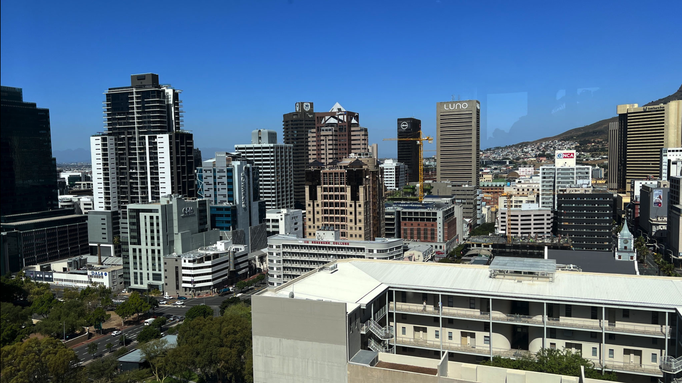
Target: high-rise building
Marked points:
337	134
555	180
616	181
645	131
28	170
586	218
458	139
143	155
275	168
671	163
296	127
172	225
231	184
346	196
408	151
394	174
674	248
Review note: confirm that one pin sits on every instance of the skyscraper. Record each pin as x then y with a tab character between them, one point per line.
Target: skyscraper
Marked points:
143	154
337	134
645	131
408	151
275	168
296	126
346	196
28	170
458	139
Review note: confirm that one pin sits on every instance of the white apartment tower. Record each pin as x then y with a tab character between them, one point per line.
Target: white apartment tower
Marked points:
275	164
395	174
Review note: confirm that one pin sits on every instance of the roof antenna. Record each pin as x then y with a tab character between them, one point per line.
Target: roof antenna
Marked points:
453	97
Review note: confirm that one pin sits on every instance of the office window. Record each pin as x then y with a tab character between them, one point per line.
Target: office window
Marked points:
449	335
569	311
611	353
654	318
486	339
594	313
552	346
451	321
435	319
451	301
404	331
612	336
654	358
486	327
593	335
403	316
626	313
594	351
552	333
654	341
424	296
437	334
472	303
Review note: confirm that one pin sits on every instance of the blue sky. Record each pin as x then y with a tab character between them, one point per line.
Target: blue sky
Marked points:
539	68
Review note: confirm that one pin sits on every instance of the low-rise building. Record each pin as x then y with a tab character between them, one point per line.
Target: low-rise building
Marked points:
284	221
78	273
436	222
526	221
290	257
313	327
206	269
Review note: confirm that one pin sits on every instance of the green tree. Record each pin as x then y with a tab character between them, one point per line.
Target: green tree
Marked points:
198	311
227	303
97	317
92	348
148	333
155	353
220	346
159	322
44	360
109	346
137	303
124	311
103	369
120	352
42	304
484	229
15	323
70	315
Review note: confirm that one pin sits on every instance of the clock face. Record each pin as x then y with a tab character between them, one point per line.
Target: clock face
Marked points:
306	106
298	106
625	241
404	125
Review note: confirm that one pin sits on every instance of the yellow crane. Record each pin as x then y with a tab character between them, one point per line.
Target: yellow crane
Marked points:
420	144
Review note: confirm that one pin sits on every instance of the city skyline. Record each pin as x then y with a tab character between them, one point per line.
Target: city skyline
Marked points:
537	71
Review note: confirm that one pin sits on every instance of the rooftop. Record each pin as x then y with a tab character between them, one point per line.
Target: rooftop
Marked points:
357	282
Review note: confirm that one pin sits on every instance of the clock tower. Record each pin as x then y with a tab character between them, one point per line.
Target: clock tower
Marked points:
625	249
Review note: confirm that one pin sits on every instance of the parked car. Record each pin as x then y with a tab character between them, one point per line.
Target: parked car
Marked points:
182	298
179	303
163	302
116	333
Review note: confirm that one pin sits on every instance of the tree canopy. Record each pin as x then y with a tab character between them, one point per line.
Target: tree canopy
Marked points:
44	360
198	311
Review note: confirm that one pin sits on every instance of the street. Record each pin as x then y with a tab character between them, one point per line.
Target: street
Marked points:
132	331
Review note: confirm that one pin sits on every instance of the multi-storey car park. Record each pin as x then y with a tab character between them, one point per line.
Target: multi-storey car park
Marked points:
318	326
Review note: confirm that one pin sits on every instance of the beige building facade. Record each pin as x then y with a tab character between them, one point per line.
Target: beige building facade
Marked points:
458	141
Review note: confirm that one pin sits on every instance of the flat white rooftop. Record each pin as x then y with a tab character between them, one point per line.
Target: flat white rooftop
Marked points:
358	281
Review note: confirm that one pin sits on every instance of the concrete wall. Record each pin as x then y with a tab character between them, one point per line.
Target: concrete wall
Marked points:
298	340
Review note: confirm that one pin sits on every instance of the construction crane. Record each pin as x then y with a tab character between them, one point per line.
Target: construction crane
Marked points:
420	144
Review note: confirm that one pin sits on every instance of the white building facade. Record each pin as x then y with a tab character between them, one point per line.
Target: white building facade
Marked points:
290	257
275	164
284	221
395	174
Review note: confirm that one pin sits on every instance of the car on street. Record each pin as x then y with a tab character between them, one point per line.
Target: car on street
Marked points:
182	298
116	333
179	303
163	302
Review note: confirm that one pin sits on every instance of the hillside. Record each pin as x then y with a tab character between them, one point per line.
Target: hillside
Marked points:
600	129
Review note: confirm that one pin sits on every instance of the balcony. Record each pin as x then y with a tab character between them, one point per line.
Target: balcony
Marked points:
629	367
644	329
591	324
517	318
670	365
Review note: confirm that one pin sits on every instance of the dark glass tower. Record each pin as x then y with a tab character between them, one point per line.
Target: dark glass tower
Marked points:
296	126
408	151
29	172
